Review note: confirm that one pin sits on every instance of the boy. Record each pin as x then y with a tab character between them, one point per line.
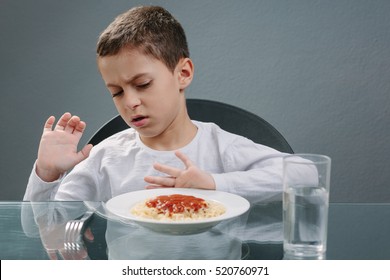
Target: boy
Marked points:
144	61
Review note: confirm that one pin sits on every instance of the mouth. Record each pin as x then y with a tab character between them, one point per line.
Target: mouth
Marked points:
139	121
137	118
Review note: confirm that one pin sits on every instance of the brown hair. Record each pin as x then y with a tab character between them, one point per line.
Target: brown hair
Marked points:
152	29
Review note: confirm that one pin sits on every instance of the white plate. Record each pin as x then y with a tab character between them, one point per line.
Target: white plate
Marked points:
120	206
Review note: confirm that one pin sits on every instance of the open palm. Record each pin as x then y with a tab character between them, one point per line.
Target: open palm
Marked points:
58	147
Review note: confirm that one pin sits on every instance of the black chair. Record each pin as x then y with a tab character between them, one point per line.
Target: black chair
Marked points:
228	117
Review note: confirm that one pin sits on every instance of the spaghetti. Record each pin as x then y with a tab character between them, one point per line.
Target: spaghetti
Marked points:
178	207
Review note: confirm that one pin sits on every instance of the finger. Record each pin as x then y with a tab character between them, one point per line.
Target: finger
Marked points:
72	124
86	150
84	153
162	181
49	123
187	162
61	124
169	170
79	129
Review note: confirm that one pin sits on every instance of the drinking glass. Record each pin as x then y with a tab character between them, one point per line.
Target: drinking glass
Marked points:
306	181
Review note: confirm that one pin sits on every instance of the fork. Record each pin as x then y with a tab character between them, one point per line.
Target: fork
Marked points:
73	233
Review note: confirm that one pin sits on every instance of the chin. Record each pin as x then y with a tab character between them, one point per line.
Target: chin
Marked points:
147	133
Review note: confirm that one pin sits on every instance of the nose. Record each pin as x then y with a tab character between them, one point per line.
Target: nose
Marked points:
132	100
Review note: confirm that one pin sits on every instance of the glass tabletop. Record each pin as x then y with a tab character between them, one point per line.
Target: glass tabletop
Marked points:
37	231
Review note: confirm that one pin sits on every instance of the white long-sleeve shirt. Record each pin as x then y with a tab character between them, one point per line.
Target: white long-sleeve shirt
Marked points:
119	164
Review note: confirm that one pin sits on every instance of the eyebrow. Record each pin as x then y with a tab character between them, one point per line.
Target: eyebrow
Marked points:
135	77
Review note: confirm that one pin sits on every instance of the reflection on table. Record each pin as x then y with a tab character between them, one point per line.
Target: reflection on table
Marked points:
36	231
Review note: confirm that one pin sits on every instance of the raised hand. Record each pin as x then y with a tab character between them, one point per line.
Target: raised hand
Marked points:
190	177
57	151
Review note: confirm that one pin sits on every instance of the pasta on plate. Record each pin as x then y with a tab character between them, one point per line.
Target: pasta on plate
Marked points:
177	207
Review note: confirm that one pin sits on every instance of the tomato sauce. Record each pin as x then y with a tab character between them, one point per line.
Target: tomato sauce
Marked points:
176	203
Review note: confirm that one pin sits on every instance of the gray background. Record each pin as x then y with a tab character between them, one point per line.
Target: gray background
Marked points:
319	71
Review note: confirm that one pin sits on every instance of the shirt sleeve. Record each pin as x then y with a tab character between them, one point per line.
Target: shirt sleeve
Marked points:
251	170
80	184
39	190
83	184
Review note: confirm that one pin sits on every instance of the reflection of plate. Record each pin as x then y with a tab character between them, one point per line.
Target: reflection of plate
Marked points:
120	205
143	244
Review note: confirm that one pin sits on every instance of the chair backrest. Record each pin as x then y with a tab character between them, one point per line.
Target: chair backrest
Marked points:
228	117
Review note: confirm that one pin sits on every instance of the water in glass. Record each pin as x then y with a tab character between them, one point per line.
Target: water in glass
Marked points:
305	211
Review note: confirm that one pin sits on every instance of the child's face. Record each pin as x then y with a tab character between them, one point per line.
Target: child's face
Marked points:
148	96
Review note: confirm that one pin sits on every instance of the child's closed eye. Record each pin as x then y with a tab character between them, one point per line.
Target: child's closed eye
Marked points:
144	85
117	94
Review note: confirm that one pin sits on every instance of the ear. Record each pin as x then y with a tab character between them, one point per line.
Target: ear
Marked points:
185	70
